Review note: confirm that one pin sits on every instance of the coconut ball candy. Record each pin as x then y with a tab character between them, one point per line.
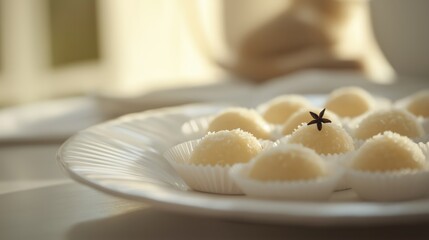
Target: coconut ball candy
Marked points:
329	138
388	152
281	108
349	102
242	118
225	148
419	104
292	163
395	120
303	116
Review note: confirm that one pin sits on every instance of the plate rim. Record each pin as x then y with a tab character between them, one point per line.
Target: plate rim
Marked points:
382	212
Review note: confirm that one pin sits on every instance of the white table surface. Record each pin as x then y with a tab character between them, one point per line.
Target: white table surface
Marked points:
37	201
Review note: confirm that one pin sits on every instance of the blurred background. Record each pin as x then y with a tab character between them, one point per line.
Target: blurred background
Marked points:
60	48
66	65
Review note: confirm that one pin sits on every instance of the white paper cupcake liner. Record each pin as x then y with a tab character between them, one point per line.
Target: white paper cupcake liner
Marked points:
204	178
212	179
309	190
391	186
340	160
425	124
196	128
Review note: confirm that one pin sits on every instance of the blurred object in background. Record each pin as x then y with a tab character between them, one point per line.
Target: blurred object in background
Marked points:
323	34
58	48
401	30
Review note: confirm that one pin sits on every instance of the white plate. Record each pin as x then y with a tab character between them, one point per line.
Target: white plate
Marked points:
123	157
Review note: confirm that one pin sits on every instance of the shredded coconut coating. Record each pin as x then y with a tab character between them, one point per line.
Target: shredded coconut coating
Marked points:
395	120
419	104
349	102
333	139
303	116
290	162
226	148
388	152
241	118
281	108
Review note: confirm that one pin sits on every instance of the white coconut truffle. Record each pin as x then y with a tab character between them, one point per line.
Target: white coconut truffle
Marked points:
419	104
279	109
303	116
388	152
225	148
332	139
290	162
395	120
240	118
349	102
